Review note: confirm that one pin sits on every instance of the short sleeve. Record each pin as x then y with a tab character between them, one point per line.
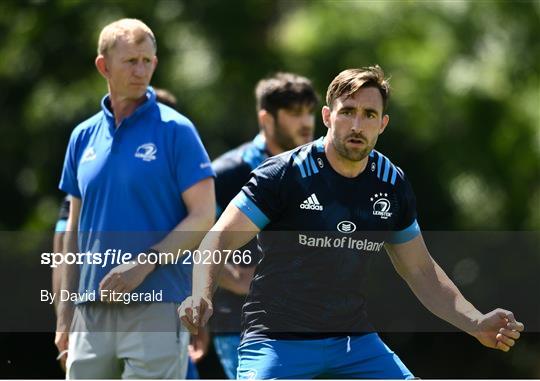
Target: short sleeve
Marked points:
68	181
229	179
406	227
60	226
63	213
192	161
260	199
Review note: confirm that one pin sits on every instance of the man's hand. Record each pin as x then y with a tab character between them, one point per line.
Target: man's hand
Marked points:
61	340
498	329
198	346
126	277
195	312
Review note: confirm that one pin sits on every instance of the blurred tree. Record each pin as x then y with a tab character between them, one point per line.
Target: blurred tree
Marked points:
465	121
465	110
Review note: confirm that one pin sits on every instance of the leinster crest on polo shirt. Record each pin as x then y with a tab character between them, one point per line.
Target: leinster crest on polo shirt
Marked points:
146	152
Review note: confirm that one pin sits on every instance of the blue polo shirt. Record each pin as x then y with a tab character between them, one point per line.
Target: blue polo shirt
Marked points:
130	179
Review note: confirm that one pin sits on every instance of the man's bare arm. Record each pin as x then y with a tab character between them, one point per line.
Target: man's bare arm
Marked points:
232	231
497	329
58	247
200	204
200	201
68	276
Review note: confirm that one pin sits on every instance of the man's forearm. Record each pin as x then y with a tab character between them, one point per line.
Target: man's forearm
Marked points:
186	235
58	245
440	295
233	230
206	276
69	281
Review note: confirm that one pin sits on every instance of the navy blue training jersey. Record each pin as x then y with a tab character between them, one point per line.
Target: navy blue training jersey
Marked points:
319	230
232	170
63	215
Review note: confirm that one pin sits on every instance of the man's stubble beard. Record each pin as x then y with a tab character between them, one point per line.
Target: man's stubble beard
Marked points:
352	155
285	141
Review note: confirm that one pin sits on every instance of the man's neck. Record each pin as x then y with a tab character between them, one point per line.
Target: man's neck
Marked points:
123	107
341	165
272	147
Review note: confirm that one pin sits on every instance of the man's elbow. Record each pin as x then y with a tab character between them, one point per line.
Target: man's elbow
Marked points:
205	218
209	220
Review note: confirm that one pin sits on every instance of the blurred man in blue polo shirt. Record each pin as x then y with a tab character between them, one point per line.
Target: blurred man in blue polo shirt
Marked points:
140	181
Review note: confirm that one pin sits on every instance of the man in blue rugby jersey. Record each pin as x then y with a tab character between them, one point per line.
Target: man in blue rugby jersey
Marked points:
285	113
140	181
321	209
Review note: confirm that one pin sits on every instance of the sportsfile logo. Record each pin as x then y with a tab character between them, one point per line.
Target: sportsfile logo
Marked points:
311	203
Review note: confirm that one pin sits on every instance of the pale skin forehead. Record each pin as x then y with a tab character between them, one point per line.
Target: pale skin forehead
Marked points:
365	97
128	47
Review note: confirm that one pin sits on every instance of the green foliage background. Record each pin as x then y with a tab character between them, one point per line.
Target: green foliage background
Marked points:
465	122
465	109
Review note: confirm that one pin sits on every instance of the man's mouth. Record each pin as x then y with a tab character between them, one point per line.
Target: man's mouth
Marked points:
306	133
356	140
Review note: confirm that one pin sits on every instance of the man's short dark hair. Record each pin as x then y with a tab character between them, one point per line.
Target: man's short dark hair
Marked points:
284	90
350	81
166	97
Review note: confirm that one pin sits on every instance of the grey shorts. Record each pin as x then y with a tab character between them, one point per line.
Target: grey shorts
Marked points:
134	341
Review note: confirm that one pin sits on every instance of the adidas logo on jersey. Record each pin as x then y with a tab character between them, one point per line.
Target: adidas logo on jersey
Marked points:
311	203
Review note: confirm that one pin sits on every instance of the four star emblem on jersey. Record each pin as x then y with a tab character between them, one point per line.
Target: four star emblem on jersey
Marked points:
381	205
311	203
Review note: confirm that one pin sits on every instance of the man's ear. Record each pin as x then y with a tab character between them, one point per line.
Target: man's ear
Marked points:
326	116
265	119
101	65
384	123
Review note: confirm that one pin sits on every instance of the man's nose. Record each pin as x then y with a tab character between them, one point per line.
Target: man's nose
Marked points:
140	68
308	120
357	124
